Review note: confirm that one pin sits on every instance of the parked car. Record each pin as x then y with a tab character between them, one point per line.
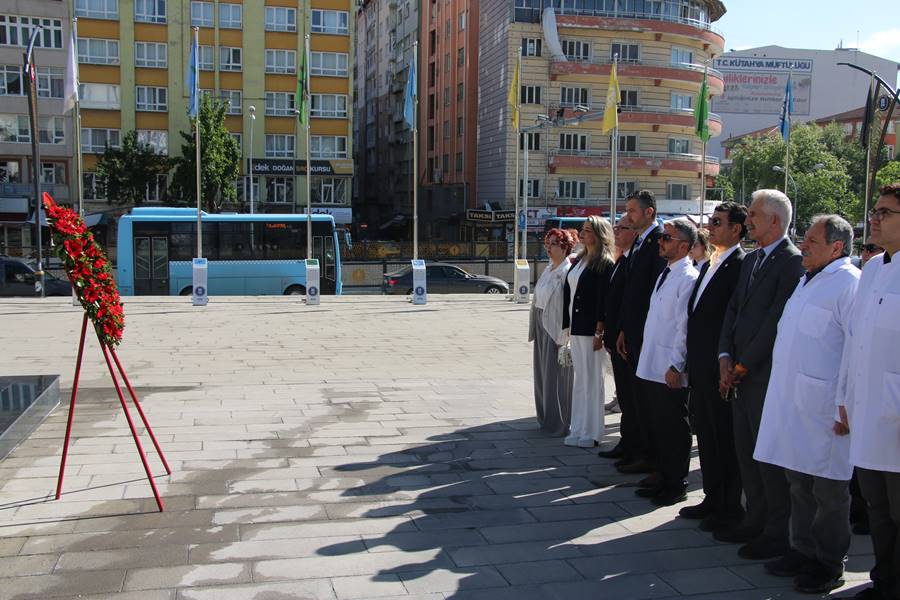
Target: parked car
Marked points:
443	278
18	279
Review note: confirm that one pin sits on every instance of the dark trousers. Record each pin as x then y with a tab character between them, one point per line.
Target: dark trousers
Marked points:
628	424
670	432
881	489
712	421
765	486
643	446
820	518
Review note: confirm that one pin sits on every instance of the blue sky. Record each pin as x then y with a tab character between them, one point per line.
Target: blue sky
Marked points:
819	24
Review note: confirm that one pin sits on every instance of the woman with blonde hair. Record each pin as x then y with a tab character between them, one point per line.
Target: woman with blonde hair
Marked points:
702	250
584	314
552	381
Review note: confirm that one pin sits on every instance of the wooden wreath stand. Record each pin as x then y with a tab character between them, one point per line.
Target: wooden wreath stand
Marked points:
107	352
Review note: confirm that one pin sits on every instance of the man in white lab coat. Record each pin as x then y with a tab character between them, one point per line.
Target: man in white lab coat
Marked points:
662	363
797	427
870	378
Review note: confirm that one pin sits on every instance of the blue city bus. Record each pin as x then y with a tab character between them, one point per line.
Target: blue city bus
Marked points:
261	254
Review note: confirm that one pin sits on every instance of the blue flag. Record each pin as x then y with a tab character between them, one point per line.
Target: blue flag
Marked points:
787	107
192	82
409	113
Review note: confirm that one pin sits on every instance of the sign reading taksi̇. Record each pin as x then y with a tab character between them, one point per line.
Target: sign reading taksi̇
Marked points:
491	216
286	166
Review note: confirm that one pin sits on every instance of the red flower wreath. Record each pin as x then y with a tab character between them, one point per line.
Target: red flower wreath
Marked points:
88	270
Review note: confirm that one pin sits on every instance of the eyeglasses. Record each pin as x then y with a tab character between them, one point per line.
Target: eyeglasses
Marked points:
878	214
871	248
666	237
717	222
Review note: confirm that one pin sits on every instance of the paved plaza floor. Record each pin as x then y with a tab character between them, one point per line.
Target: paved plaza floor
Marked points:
364	448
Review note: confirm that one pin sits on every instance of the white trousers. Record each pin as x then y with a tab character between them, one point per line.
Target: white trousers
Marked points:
588	397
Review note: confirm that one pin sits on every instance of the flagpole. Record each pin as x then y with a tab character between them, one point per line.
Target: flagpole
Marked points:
308	109
703	163
516	185
524	237
197	142
868	184
415	165
789	99
614	163
76	125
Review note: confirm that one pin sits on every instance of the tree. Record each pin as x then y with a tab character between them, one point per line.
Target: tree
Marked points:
889	173
129	170
220	160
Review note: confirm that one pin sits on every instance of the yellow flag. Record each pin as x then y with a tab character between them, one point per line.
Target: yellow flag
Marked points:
611	112
513	98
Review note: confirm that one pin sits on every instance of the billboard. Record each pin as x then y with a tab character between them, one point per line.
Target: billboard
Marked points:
755	85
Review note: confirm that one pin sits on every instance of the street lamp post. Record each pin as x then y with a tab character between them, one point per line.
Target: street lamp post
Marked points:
250	167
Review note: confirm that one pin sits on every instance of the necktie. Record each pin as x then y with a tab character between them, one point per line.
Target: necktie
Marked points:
760	258
662	278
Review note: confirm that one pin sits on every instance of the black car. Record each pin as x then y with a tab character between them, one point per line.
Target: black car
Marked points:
18	279
443	278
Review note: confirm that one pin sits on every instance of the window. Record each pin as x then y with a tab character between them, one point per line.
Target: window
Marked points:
279	145
279	189
97	9
201	14
150	54
572	96
459	162
446	95
446	130
281	19
682	56
460	57
678	191
158	140
104	96
156	190
328	63
205	58
460	92
53	173
628	143
328	146
151	99
50	82
679	146
531	46
98	52
281	61
95	140
11	80
230	59
93	187
230	16
576	49
462	21
530	94
628	97
329	190
327	106
239	138
571	190
460	127
534	140
14	128
572	143
279	104
330	21
534	187
16	31
234	100
51	130
150	11
628	53
624	188
682	102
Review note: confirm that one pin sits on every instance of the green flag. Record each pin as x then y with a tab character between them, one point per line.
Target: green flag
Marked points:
701	112
301	90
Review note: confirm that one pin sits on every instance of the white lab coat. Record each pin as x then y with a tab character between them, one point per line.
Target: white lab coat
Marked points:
665	331
796	431
871	368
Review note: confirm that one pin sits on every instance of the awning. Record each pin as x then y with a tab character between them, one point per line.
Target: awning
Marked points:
90	219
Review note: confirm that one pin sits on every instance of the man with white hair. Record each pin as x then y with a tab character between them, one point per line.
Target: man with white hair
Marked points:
768	278
798	417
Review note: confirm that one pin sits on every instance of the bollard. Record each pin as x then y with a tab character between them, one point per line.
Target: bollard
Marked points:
199	294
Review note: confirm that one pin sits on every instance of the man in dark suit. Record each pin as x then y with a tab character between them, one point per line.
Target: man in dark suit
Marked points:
710	413
624	238
644	267
768	278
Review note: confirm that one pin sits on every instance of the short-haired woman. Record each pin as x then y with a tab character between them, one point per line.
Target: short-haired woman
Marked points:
584	314
552	382
702	250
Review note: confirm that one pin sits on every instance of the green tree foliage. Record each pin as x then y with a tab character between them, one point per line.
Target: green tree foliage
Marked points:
220	160
889	173
128	171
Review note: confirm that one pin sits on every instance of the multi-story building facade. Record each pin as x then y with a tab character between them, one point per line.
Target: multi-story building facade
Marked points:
663	47
387	30
17	18
132	58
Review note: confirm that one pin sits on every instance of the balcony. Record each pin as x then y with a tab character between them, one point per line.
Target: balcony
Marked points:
646	69
642	114
653	161
26	190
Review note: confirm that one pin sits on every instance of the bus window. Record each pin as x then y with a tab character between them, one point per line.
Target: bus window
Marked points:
284	240
183	243
329	258
236	241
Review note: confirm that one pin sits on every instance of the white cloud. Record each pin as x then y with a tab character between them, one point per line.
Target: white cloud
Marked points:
885	44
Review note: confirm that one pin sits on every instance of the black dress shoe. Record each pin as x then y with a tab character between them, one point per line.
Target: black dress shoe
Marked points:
648	492
791	564
653	480
669	497
698	511
738	534
635	467
616	452
821	579
763	548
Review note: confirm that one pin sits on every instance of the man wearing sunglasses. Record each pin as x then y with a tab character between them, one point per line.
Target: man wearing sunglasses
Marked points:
870	379
710	413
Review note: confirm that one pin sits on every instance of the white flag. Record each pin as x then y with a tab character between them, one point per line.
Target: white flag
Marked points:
71	91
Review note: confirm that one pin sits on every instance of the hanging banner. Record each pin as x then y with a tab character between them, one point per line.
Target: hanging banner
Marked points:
755	85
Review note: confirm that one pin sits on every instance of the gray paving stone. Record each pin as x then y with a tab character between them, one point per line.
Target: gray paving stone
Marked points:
309	589
364	586
495	554
187	576
531	573
452	580
700	581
